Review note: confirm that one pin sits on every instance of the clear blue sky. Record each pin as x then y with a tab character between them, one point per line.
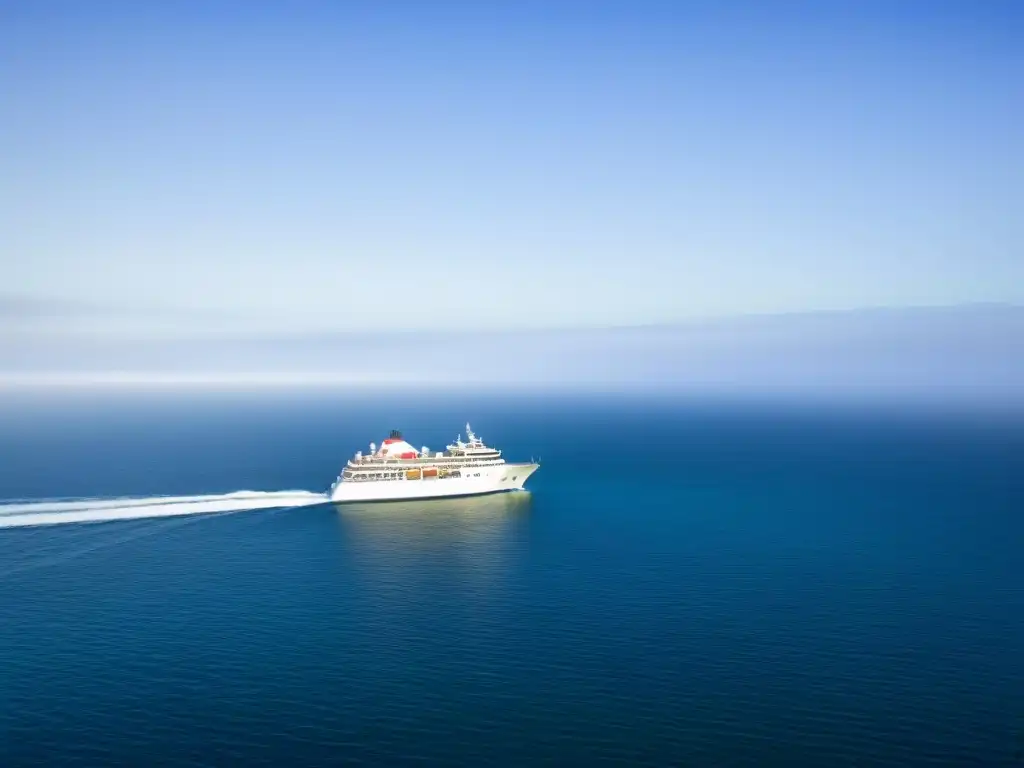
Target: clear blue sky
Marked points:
337	165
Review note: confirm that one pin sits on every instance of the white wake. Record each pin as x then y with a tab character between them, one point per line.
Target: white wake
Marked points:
19	513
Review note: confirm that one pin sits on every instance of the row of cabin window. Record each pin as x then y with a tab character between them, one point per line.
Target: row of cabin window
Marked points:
389	475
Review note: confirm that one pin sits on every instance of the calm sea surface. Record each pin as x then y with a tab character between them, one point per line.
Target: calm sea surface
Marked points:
687	583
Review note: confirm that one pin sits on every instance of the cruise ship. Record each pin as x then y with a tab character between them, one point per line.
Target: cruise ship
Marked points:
396	470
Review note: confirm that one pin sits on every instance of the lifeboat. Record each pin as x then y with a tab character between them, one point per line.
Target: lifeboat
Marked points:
412	474
430	472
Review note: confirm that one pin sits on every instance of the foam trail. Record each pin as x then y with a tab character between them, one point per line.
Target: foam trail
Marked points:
19	513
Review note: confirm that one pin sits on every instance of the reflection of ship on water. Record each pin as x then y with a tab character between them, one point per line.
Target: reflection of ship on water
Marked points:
484	508
408	563
404	524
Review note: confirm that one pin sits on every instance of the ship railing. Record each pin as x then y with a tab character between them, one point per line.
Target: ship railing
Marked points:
364	461
392	467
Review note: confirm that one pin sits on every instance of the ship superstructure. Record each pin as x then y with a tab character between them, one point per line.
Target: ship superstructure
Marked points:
397	470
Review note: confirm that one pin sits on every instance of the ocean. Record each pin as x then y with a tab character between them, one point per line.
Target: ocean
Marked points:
687	582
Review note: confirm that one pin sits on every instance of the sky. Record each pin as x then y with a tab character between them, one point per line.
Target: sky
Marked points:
346	189
340	166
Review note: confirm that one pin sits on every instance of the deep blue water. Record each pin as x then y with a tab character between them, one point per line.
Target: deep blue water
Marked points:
688	583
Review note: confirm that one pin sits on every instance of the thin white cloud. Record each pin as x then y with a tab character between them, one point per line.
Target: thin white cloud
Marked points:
978	351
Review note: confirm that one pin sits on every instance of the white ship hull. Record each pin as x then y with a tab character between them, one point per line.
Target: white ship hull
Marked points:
475	481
